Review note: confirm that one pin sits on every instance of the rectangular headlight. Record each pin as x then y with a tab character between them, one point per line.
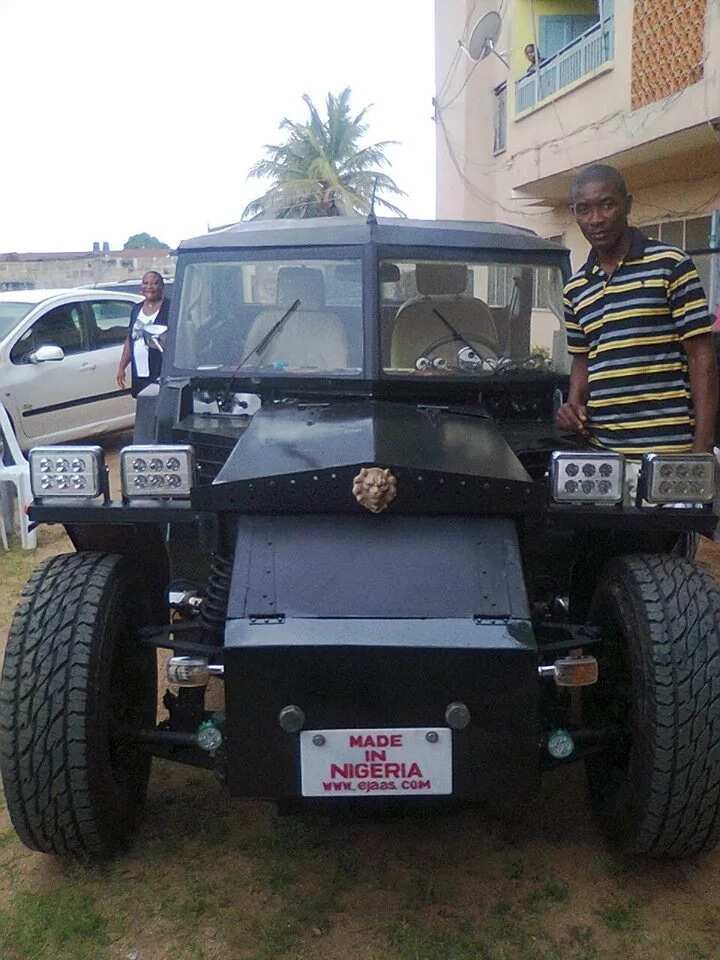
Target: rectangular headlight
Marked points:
678	477
587	477
66	472
157	471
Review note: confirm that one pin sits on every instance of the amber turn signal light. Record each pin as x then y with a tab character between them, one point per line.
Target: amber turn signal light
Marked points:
572	671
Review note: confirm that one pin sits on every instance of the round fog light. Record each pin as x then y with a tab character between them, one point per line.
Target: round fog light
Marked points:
457	716
209	737
561	745
291	718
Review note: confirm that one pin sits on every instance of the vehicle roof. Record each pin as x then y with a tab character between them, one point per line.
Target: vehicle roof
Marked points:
77	293
389	231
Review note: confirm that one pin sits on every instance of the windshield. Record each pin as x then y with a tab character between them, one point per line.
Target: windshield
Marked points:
11	314
471	319
272	317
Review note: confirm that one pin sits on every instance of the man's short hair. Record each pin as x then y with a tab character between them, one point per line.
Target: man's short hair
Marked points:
600	173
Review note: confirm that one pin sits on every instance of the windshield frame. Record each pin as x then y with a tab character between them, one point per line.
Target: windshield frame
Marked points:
254	254
373	378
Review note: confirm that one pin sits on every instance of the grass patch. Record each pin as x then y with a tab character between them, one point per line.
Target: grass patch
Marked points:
46	926
6	838
456	941
552	891
620	916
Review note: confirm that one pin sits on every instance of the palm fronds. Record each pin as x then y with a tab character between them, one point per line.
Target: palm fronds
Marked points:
321	169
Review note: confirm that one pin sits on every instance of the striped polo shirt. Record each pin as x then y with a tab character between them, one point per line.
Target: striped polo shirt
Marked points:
631	326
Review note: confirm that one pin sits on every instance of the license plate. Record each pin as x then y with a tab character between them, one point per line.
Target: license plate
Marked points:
393	762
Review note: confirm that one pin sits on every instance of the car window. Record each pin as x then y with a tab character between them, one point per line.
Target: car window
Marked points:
112	319
61	327
11	314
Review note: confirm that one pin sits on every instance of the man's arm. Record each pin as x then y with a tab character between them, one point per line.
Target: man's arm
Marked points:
702	367
690	314
572	415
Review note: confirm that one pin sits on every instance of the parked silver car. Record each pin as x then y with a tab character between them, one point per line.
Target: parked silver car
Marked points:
59	353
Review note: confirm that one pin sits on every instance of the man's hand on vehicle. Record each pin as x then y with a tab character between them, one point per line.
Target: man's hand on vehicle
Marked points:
120	377
572	417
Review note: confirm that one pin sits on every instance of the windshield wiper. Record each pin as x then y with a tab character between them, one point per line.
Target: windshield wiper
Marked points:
274	329
454	331
260	347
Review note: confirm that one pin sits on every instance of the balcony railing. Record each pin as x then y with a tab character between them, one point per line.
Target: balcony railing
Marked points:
585	54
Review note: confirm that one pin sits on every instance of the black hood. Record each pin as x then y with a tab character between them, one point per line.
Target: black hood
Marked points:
297	458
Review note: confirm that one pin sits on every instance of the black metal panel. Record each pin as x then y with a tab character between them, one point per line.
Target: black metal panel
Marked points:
447	633
494	759
379	567
162	512
573	516
343	231
302	458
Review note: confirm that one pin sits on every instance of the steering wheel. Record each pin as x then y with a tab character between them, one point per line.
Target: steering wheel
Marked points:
482	348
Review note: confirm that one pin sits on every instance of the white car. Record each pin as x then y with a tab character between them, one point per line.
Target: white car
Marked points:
59	354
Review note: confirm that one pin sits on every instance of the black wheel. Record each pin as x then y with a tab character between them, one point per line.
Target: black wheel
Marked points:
74	689
657	787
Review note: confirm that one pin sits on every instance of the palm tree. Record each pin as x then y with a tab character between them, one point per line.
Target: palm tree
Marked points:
321	170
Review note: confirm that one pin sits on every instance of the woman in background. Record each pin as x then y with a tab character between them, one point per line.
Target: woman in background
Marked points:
145	361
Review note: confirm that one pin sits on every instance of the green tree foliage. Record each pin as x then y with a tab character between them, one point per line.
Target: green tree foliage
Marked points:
143	240
321	170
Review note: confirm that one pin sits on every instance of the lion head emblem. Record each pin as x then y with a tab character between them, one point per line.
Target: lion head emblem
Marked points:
374	488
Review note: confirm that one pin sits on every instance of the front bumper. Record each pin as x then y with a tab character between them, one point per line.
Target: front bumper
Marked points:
382	675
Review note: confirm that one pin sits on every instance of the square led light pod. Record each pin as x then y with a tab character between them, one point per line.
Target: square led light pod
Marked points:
678	477
587	477
157	471
67	472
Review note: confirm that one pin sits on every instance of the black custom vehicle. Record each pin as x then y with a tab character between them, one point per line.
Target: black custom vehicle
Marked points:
348	505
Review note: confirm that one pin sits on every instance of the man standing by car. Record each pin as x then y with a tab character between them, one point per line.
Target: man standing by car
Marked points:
644	375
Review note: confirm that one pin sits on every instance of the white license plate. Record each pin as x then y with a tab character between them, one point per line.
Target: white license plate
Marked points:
392	762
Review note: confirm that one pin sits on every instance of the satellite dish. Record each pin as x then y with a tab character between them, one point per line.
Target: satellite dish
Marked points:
483	38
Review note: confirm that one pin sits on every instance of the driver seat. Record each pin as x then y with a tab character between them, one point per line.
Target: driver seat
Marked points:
441	287
312	337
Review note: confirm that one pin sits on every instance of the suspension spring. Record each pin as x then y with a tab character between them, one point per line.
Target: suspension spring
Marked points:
214	607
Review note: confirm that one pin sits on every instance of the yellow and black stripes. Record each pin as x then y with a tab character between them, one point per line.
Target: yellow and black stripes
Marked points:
631	327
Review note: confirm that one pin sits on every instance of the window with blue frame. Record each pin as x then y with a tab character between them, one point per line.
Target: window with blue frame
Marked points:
557	31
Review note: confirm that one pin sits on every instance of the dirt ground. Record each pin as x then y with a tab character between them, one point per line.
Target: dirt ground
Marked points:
214	879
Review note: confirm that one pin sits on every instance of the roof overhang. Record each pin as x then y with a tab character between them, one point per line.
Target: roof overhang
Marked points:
355	231
692	154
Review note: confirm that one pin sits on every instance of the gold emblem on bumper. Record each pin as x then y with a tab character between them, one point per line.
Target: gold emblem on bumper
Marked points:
374	488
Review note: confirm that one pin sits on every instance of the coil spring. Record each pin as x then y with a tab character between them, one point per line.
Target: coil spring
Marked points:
214	608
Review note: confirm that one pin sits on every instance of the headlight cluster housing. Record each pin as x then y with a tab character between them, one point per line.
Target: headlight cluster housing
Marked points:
587	477
67	472
157	471
678	477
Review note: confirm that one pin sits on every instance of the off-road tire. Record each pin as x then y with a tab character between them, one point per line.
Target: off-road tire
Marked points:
657	790
74	686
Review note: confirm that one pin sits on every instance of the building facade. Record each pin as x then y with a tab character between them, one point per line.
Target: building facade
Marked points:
30	271
634	83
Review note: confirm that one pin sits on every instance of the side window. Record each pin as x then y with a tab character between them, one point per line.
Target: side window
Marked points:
61	327
24	346
111	322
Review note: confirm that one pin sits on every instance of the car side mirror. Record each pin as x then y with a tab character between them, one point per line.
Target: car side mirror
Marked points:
154	335
47	352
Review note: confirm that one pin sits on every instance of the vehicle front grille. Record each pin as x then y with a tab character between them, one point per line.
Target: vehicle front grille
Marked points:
211	452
